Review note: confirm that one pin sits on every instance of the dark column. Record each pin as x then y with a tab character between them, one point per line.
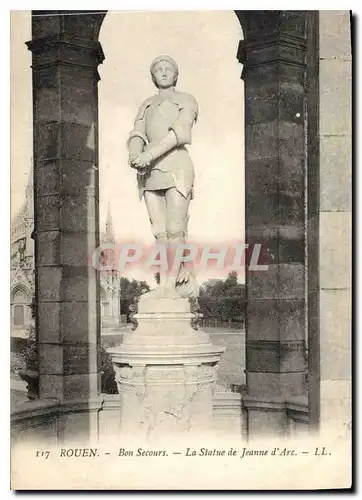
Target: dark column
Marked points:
274	57
66	54
313	232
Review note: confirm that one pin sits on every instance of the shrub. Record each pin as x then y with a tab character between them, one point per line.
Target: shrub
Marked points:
108	376
24	355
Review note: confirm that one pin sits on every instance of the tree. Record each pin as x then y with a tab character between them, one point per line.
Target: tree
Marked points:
223	300
129	290
108	376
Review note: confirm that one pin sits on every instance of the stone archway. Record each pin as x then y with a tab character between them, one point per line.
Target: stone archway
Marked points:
275	57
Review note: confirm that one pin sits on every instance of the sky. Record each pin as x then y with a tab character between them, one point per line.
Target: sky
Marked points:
204	44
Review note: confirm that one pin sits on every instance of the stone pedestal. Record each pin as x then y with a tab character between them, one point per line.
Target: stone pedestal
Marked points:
165	371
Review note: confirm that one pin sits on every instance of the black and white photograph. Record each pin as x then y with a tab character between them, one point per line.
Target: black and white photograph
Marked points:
181	249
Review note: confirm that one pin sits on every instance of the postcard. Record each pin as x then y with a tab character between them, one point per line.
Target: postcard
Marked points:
181	250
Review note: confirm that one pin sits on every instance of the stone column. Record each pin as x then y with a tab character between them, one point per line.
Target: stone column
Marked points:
313	160
66	54
333	215
273	53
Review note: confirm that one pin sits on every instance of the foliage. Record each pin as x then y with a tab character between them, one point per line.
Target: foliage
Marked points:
222	300
108	376
17	362
129	291
25	358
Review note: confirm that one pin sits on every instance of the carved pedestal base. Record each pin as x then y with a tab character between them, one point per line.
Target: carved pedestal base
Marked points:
165	371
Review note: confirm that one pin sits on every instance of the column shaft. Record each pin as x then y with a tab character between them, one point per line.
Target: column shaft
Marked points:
274	57
65	119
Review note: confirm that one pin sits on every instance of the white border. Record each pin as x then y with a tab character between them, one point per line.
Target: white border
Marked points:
5	170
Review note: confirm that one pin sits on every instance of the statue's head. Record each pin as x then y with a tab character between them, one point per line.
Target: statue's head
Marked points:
164	72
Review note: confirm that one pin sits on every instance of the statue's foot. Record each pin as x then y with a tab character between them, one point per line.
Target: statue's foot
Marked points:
183	276
188	288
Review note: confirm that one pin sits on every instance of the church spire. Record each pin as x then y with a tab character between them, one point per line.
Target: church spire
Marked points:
109	225
29	193
30	184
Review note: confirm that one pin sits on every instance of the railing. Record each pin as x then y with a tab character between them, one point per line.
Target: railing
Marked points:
216	323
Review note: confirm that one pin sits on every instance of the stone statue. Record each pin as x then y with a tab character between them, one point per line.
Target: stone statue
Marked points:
166	394
165	172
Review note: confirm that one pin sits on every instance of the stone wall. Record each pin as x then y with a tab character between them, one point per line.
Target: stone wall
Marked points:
52	423
335	218
231	370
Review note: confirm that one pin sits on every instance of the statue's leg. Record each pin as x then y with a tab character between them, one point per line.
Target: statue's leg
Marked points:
176	223
156	207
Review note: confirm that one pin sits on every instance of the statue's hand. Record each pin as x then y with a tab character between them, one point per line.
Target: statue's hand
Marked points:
141	160
133	160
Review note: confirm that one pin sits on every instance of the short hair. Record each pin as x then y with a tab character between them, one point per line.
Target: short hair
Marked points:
166	59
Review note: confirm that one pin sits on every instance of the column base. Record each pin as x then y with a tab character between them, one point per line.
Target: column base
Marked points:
266	418
276	417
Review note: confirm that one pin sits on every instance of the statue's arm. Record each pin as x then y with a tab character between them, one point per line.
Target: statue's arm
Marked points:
137	139
183	124
179	132
156	150
135	145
